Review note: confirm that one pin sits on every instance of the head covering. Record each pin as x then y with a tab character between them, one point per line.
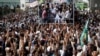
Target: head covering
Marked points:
37	32
79	47
55	30
42	4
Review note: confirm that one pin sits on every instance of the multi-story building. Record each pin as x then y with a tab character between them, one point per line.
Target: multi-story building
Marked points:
13	3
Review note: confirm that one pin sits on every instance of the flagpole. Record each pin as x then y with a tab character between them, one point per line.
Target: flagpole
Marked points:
84	33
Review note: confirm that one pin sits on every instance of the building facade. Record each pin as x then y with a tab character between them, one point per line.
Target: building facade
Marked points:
13	3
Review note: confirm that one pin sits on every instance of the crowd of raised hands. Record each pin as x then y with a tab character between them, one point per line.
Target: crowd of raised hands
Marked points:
48	40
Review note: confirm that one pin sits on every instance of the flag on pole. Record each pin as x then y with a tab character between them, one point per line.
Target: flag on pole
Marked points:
84	34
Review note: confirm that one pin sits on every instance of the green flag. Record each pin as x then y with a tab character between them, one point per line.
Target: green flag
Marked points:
84	34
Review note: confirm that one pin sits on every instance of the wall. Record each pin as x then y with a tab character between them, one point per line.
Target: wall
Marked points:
13	3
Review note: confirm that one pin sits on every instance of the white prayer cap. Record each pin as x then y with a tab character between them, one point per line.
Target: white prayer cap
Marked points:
42	4
7	48
27	48
48	48
37	32
55	30
79	47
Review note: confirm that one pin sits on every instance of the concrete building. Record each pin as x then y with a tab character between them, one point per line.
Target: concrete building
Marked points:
13	3
94	4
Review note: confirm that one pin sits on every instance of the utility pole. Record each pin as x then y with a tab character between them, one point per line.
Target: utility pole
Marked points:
90	4
73	12
38	8
2	9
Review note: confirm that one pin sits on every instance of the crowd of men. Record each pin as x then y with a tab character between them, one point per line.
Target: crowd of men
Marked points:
17	20
55	12
23	37
49	40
